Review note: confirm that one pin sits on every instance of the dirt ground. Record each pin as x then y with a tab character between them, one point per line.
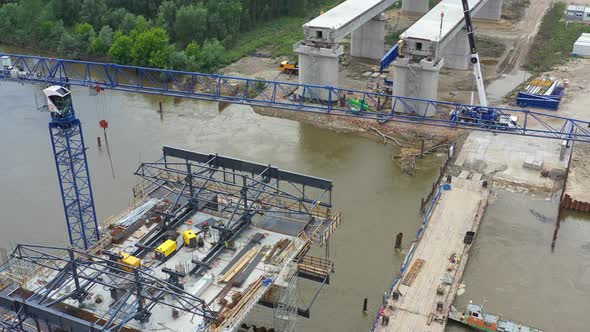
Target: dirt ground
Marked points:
454	86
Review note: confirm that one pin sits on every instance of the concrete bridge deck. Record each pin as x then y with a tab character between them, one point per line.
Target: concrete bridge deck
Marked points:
430	269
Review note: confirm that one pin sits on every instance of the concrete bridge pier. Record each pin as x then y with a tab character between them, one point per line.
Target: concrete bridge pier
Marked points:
491	10
318	66
368	41
456	53
415	6
416	80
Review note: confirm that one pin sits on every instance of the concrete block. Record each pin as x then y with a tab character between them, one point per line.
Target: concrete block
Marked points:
533	164
415	6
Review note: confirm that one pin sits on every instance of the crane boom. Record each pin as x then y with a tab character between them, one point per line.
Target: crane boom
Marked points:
477	73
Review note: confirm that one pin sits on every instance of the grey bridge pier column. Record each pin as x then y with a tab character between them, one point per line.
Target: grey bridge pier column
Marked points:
456	53
491	10
416	80
415	6
318	66
368	41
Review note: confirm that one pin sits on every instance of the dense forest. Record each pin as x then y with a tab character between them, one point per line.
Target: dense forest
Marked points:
172	34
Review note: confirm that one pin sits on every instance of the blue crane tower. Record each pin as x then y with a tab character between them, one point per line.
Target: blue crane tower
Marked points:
69	152
68	143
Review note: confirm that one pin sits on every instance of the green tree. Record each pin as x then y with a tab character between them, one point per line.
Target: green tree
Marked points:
178	60
8	21
93	12
191	23
150	44
115	18
104	41
167	16
84	34
212	54
50	33
120	51
69	45
66	10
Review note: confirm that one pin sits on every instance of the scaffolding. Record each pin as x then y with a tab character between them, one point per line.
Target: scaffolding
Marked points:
285	309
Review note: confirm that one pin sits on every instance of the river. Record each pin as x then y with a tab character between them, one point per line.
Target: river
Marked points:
511	266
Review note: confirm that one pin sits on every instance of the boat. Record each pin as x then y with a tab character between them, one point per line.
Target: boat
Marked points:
475	317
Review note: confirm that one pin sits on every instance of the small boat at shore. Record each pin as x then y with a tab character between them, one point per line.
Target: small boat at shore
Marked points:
475	317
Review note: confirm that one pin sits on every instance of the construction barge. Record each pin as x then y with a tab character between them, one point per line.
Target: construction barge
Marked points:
207	238
475	317
421	296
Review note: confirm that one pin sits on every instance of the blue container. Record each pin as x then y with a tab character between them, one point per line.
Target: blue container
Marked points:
446	186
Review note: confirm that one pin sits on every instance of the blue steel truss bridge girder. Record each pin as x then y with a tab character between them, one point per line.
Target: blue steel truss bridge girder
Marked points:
282	95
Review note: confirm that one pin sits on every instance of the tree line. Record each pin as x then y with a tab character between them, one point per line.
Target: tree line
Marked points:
171	34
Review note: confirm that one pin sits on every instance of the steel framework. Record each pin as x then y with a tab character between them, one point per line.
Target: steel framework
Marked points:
74	274
238	190
277	94
71	164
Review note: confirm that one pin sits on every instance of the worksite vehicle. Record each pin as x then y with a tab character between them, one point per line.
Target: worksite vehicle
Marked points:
130	262
484	117
164	250
291	68
191	239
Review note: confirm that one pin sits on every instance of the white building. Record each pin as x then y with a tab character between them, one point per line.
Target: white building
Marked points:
582	46
575	13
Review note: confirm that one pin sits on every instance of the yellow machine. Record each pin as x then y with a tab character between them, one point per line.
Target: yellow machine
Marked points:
130	262
165	250
190	238
289	67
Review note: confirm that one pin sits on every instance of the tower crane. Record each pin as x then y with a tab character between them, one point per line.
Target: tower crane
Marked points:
477	73
69	153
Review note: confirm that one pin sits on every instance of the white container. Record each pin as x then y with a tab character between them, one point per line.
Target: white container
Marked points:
6	62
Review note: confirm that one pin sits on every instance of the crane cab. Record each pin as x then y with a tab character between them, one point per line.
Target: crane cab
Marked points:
164	250
59	100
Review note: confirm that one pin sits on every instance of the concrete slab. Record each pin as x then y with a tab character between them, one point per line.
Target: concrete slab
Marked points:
578	181
503	157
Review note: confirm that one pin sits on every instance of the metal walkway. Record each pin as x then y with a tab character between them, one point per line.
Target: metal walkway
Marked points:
279	95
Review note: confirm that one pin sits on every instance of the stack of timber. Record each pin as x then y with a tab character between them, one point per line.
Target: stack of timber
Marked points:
277	250
238	303
239	265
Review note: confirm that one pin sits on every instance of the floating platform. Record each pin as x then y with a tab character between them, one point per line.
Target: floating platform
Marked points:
422	294
250	235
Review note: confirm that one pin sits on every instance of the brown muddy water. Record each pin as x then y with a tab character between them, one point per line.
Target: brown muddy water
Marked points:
511	267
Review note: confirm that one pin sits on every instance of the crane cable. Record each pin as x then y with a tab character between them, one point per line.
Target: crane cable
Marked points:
101	106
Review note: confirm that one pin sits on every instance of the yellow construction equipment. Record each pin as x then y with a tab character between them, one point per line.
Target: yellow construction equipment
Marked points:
130	262
190	238
165	250
288	67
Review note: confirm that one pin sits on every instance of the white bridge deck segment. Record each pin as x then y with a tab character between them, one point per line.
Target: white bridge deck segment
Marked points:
428	31
340	21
